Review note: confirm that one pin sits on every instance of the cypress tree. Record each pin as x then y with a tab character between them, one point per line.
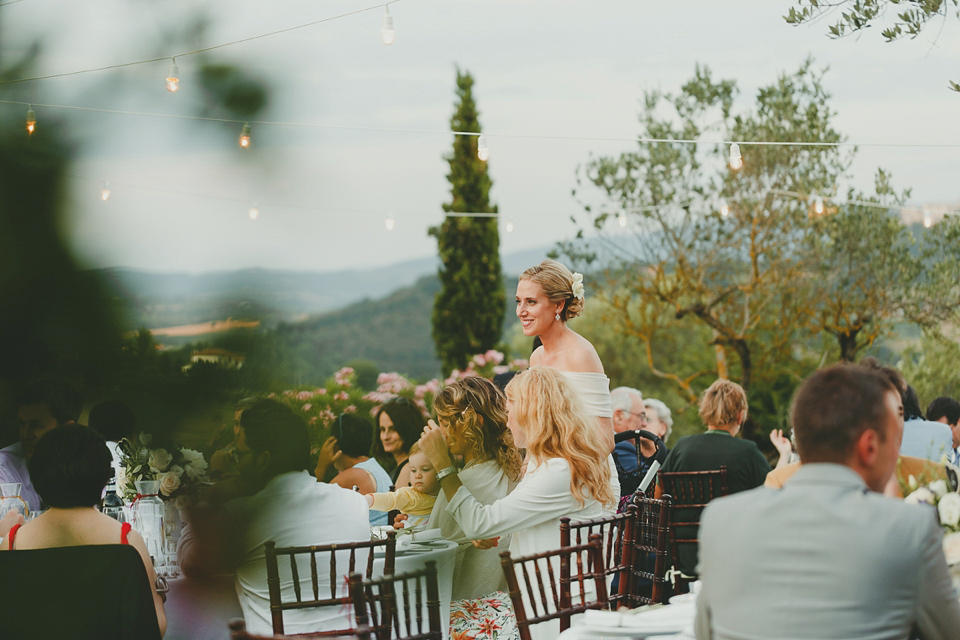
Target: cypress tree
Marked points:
468	310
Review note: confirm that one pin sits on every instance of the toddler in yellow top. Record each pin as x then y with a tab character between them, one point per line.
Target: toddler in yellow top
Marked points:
415	501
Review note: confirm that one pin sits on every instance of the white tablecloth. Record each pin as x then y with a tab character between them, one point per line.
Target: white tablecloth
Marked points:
672	621
444	553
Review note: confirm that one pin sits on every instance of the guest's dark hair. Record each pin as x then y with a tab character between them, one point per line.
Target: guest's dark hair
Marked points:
944	407
892	374
407	419
70	466
61	399
834	406
269	425
911	405
354	434
113	420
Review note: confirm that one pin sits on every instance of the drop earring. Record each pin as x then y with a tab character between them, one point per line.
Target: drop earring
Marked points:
557	317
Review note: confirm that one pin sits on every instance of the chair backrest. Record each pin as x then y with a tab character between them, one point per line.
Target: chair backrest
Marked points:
629	481
341	558
690	492
648	536
402	606
616	548
94	591
549	590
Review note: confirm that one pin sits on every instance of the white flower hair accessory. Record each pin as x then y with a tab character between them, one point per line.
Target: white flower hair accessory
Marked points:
578	286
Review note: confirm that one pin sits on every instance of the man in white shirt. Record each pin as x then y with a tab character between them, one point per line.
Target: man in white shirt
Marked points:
284	504
827	556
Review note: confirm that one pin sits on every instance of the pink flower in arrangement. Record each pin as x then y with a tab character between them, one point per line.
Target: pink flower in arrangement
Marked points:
479	360
306	407
350	408
321	392
502	368
313	420
271	395
392	383
304	395
494	356
342	376
341	395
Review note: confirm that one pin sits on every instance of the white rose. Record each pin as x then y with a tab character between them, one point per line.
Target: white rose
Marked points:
577	287
177	469
921	496
939	488
159	459
951	547
194	464
912	482
949	508
170	482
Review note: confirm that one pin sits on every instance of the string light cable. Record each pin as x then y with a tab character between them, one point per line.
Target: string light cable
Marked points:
198	51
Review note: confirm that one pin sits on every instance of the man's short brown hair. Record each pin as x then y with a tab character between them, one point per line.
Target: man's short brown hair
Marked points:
834	406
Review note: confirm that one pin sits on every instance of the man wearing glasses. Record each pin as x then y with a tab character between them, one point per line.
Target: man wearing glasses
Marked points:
629	414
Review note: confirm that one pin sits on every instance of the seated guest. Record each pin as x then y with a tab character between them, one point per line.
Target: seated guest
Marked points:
285	504
947	411
223	462
40	407
416	500
70	466
923	438
567	470
659	418
400	423
827	557
346	450
723	408
629	414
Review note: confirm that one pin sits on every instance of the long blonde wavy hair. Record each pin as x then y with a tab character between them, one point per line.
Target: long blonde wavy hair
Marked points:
475	407
557	425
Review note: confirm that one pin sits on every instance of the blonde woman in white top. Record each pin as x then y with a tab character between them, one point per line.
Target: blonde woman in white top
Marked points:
566	474
547	296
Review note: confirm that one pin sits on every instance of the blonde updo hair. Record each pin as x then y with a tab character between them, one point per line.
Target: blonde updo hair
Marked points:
722	403
557	425
557	283
475	407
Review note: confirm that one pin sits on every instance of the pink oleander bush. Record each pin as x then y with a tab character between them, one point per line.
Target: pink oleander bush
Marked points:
321	405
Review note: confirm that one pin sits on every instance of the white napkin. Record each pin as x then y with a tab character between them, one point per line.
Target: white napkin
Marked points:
669	619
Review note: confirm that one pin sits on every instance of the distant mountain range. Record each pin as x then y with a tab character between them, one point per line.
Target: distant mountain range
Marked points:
158	300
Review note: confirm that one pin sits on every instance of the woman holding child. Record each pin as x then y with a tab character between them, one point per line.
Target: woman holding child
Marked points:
567	472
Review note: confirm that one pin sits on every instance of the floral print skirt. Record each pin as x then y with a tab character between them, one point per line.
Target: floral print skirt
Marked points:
489	618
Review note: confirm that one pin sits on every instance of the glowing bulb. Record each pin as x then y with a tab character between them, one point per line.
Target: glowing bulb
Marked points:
927	219
245	136
725	210
509	227
386	30
483	151
105	192
390	222
736	160
173	76
31	120
622	218
817	204
254	211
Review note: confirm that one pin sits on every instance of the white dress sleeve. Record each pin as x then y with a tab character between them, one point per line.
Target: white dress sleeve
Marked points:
542	495
594	390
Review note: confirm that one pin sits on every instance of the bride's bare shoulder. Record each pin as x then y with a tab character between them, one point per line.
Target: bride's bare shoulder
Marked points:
582	356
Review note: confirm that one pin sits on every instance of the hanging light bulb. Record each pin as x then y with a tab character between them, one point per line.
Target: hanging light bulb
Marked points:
483	151
927	219
725	210
817	205
254	211
622	218
245	136
386	30
390	222
105	192
508	226
173	76
736	160
31	120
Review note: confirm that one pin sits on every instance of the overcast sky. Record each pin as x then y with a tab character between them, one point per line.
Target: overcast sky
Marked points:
565	73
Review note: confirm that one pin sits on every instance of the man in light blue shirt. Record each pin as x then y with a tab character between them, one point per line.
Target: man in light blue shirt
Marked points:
947	411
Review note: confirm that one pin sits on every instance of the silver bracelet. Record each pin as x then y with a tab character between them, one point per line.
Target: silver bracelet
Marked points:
443	473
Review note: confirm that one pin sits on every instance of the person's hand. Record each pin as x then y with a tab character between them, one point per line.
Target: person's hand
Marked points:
399	520
782	445
433	444
487	543
329	453
10	519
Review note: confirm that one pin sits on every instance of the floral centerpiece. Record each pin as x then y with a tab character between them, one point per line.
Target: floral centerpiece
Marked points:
939	494
179	471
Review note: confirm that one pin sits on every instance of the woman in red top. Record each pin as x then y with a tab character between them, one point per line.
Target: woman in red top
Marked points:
69	469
